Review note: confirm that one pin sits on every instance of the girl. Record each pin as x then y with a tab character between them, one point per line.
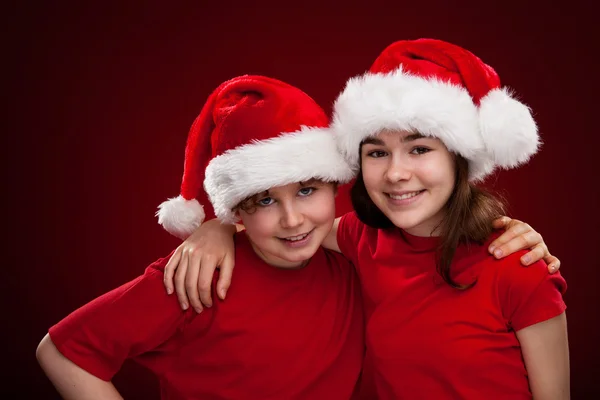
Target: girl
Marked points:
445	320
268	341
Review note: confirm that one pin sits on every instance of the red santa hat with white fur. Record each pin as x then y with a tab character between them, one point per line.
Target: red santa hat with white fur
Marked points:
441	90
252	134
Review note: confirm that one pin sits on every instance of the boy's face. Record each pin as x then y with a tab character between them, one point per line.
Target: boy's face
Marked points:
287	224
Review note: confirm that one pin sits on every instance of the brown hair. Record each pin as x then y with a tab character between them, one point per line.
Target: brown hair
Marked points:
470	211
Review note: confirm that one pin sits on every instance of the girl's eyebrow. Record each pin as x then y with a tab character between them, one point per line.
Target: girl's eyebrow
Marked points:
412	137
373	140
379	142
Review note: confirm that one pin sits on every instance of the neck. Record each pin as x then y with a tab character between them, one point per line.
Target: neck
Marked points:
277	262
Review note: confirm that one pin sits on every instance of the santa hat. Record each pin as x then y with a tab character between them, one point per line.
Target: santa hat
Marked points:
254	133
440	90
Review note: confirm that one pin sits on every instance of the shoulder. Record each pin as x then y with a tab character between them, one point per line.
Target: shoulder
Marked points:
351	231
332	257
350	222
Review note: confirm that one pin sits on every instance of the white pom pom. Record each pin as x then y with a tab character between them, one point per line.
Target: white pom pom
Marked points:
180	217
508	129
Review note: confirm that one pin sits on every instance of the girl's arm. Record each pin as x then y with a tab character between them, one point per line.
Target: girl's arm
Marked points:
191	268
71	381
330	242
546	354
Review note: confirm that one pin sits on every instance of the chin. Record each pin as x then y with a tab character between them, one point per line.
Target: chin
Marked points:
406	223
299	255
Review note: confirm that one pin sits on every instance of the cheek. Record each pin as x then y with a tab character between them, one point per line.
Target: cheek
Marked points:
441	174
259	223
371	174
322	207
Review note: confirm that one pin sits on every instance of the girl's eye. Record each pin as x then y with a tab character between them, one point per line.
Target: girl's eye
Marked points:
376	153
307	191
420	150
265	201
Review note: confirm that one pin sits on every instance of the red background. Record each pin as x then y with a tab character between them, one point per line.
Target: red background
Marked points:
100	99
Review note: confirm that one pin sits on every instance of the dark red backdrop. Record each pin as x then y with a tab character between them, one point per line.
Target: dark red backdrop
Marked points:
101	98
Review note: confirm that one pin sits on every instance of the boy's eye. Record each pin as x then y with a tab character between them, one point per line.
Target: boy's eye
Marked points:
307	191
265	201
420	150
376	153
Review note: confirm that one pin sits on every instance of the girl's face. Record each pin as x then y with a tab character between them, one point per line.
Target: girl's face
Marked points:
287	224
410	178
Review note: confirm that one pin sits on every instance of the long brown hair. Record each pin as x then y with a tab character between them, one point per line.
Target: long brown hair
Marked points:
470	211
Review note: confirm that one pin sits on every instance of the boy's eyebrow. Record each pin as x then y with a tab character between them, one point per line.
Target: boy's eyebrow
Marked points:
308	182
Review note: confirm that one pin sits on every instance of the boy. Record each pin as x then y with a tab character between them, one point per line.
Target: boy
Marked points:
293	328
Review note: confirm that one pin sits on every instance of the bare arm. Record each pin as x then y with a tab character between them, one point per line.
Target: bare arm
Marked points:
71	381
191	268
546	354
330	242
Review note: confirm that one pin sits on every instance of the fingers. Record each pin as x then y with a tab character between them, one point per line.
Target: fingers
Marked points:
204	282
191	281
537	253
170	270
225	273
180	281
553	263
523	241
501	222
514	229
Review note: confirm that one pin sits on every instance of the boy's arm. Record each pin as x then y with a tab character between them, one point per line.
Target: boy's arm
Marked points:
546	355
519	235
126	322
71	381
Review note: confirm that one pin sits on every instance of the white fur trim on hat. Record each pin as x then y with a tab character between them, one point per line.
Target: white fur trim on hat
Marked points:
291	157
508	129
401	101
180	217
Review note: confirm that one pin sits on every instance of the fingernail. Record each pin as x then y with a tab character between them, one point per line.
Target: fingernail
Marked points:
198	310
222	294
492	248
498	253
169	291
553	269
526	259
184	306
208	305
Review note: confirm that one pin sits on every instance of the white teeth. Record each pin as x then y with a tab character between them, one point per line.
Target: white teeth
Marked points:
296	238
404	196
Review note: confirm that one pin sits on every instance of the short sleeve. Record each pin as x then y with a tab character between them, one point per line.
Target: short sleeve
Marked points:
350	230
530	295
123	323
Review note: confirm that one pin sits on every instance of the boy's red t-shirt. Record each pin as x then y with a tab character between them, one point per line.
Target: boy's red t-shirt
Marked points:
280	334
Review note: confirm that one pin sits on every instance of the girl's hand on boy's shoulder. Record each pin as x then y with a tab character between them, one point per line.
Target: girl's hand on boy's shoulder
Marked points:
191	268
521	236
